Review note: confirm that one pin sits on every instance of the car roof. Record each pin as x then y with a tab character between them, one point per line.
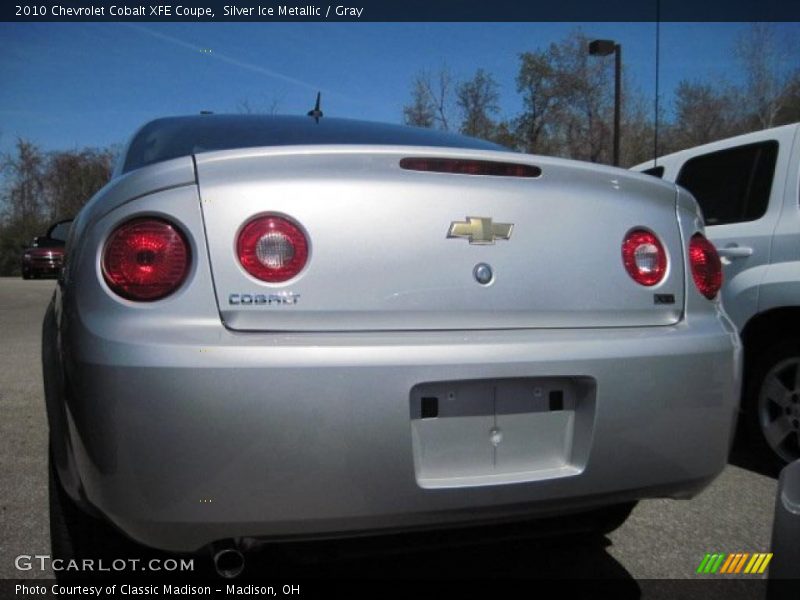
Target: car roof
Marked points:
173	137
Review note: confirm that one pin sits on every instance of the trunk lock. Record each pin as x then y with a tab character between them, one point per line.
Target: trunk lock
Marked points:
483	273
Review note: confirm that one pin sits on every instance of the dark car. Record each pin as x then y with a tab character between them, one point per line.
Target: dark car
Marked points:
46	254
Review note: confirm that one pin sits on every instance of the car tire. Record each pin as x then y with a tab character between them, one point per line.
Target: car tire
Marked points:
26	275
75	535
772	402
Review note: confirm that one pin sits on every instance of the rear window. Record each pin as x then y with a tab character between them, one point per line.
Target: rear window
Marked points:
732	185
172	137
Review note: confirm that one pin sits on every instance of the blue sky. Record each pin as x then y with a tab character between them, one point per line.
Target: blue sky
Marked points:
70	85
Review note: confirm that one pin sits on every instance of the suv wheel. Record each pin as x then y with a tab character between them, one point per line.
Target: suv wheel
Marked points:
772	401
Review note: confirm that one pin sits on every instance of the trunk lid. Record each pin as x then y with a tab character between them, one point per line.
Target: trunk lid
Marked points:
380	257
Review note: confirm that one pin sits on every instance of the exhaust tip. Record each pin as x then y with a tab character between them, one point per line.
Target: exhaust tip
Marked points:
229	563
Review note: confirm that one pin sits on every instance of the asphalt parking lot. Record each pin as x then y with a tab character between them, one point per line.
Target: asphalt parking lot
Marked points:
661	539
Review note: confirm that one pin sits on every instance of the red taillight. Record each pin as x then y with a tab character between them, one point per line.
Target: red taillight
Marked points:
644	257
272	249
470	167
146	259
706	266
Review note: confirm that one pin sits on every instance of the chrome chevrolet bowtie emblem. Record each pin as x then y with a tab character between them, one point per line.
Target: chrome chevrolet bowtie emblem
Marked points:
480	230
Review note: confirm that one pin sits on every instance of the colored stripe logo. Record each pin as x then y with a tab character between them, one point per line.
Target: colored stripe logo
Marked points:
733	564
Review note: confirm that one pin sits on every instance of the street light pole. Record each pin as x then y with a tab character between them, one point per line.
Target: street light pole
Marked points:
604	48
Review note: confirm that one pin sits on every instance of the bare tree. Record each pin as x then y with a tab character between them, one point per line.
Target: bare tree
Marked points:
40	189
243	106
25	181
420	112
537	82
478	98
703	113
585	85
637	129
270	106
568	102
431	100
23	202
72	178
769	65
789	111
440	90
505	134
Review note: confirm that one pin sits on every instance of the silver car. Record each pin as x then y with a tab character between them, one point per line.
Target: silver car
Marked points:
273	328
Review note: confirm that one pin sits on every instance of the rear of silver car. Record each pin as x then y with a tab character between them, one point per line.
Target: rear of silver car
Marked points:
393	382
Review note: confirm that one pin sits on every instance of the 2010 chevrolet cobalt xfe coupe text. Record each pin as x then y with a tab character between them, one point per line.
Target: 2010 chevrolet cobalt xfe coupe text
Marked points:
273	328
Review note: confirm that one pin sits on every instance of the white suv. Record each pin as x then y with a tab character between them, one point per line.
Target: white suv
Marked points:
748	189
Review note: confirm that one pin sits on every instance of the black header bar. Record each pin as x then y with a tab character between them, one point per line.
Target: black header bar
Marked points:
403	11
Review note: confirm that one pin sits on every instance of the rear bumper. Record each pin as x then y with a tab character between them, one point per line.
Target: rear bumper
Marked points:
183	438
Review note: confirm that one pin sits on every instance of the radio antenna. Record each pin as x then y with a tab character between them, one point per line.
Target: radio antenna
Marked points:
658	56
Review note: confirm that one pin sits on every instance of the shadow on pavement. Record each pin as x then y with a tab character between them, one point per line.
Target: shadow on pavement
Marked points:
745	456
581	557
393	558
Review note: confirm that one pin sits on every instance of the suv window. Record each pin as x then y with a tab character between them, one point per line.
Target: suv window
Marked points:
732	185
